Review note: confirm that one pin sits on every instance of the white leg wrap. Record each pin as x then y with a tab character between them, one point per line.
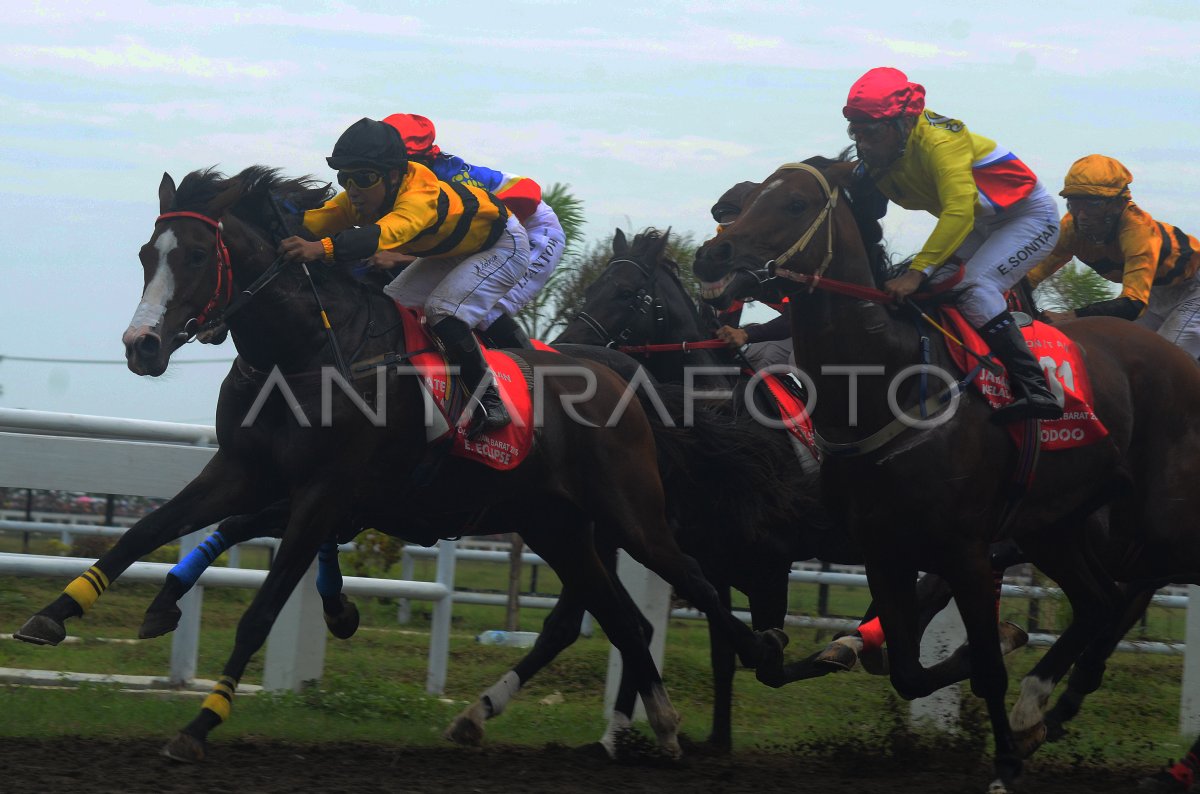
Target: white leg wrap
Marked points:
1027	712
496	697
617	724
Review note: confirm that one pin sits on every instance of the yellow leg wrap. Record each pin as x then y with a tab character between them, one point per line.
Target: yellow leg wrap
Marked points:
87	587
220	701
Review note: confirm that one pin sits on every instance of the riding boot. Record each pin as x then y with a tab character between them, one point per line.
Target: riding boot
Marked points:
1032	398
487	412
507	332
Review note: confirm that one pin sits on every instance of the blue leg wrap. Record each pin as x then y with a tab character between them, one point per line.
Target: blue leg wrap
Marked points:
329	574
190	567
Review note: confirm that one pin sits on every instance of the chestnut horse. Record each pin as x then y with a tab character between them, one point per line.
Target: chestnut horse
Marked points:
932	496
592	472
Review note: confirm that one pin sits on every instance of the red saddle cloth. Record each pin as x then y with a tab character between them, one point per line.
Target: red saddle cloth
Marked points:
792	413
501	449
1061	360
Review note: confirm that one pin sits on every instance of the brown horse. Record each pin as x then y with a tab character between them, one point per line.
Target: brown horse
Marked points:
590	481
932	497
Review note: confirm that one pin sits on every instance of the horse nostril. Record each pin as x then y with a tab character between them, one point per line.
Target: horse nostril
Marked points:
722	253
147	346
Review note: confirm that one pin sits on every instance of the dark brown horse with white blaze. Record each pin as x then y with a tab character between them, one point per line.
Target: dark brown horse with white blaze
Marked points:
595	483
932	499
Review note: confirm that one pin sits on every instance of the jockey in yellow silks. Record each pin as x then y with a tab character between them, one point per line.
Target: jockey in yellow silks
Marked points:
471	250
1155	263
994	216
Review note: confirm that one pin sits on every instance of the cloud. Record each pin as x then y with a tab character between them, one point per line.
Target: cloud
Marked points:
131	56
915	49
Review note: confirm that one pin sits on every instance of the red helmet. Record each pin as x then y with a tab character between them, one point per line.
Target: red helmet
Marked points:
883	93
418	133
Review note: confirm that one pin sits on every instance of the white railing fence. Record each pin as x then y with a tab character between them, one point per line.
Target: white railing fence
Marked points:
104	455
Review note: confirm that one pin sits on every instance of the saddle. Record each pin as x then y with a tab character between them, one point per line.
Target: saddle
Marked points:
1064	364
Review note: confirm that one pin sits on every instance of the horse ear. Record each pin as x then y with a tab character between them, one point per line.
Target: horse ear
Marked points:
661	247
620	245
166	193
840	174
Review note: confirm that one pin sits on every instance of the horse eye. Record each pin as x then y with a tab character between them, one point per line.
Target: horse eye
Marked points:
625	292
798	206
197	257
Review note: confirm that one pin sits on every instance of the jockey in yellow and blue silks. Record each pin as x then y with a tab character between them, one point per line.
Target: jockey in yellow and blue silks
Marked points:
1156	264
521	195
471	251
993	215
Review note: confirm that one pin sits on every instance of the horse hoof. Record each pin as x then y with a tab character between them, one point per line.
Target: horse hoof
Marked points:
777	637
842	653
41	630
467	728
1012	637
1028	740
184	748
159	622
344	624
997	786
1055	731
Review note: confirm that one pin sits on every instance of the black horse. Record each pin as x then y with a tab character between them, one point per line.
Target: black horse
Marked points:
590	482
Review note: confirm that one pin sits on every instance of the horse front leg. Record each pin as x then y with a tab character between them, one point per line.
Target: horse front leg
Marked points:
163	614
721	655
315	514
224	487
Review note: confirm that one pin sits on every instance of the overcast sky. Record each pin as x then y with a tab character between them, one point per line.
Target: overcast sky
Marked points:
648	114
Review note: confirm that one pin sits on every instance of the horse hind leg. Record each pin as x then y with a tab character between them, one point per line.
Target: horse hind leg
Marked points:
559	631
576	561
1088	673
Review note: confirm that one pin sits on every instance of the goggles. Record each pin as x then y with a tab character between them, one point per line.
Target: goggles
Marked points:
362	179
866	130
1087	204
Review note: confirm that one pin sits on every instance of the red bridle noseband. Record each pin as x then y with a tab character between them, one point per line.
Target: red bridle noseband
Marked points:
223	292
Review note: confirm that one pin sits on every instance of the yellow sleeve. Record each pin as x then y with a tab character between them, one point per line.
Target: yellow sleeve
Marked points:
1064	252
948	162
415	210
333	216
1140	244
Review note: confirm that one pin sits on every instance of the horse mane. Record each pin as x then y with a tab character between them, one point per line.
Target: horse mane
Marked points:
883	266
249	194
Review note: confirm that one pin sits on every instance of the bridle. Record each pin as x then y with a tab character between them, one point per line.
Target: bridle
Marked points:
641	305
222	305
824	216
223	292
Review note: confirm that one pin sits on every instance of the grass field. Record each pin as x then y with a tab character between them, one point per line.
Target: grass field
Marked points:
374	683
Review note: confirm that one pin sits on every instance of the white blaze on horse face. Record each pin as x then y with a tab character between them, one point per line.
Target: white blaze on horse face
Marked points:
158	293
763	194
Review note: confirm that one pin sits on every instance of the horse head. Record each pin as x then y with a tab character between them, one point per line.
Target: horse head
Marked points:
189	262
637	299
796	218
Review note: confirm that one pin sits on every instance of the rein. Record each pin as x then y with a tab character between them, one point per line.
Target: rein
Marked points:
641	304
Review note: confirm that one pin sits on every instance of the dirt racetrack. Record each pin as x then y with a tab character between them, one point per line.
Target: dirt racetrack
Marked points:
66	765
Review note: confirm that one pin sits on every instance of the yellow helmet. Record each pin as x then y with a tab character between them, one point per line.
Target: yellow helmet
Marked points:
1097	175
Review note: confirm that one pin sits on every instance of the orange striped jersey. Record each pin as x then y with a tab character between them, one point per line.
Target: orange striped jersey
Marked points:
428	218
1142	254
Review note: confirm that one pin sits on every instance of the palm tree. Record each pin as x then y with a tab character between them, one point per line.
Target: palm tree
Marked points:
536	315
1073	286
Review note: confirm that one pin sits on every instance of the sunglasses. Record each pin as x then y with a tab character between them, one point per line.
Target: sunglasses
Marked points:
1077	205
361	180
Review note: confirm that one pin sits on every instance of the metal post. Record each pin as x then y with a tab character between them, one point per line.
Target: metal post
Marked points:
185	641
233	557
296	646
407	568
1189	703
823	594
653	597
439	629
